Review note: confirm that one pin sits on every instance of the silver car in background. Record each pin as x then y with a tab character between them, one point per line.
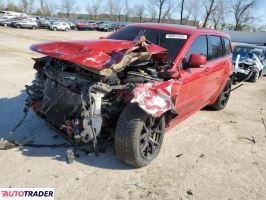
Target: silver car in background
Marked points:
63	26
26	24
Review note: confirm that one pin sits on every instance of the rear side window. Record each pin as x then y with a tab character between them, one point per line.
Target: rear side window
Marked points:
199	46
227	46
215	47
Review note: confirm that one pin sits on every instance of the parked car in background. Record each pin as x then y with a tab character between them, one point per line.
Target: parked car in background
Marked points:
43	23
15	21
63	26
249	62
9	22
3	19
6	22
106	27
80	25
32	24
11	14
119	27
132	85
85	26
72	26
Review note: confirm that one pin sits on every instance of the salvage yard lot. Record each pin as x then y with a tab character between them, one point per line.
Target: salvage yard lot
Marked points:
208	156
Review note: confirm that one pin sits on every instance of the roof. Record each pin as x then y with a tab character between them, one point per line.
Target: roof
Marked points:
188	30
251	46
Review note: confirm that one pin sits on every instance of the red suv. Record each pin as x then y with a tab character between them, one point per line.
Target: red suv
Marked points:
131	86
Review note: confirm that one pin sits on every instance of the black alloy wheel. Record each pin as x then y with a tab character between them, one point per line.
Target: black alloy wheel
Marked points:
223	98
138	136
150	137
226	94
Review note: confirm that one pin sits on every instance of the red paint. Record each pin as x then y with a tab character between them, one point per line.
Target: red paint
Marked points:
198	87
197	60
91	54
195	88
187	30
155	98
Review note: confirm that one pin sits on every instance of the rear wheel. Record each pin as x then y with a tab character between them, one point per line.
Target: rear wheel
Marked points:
18	26
67	29
138	136
54	29
223	97
34	27
5	25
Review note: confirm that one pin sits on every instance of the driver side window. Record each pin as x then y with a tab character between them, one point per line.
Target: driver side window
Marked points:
199	46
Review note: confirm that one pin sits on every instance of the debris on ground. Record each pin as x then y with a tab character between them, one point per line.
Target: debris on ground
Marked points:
70	155
137	185
252	139
254	163
179	155
264	125
237	87
5	145
201	155
189	192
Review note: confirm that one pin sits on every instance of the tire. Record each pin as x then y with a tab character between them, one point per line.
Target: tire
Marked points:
67	29
18	26
254	77
5	25
130	137
54	29
224	96
34	27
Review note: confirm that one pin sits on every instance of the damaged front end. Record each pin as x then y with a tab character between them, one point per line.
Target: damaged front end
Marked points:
83	95
247	67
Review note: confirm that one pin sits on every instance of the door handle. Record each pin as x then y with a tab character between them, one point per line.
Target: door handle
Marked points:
207	69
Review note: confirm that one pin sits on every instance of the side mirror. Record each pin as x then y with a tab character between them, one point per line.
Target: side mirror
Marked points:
197	61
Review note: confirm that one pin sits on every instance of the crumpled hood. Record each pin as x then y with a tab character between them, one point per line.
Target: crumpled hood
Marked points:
91	54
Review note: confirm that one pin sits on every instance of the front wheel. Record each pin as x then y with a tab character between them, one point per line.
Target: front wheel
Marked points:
138	136
223	97
254	77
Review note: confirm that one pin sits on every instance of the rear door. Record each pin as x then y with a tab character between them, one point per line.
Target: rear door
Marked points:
217	66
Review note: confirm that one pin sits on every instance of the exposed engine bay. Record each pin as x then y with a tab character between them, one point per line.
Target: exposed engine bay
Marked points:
247	68
83	104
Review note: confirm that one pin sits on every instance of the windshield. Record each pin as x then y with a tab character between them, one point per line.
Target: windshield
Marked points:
169	40
249	50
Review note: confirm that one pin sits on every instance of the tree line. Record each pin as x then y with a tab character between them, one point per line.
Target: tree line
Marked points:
218	14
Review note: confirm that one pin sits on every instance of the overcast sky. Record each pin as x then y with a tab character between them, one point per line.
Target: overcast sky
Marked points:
260	12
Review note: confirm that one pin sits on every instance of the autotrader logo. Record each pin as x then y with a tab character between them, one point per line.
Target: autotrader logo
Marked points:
26	193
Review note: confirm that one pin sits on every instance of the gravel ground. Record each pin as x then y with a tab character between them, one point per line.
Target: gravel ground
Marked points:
205	157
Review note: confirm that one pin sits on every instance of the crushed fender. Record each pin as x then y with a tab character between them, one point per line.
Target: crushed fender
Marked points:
155	98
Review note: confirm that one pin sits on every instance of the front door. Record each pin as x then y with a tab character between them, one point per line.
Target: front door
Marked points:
192	95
